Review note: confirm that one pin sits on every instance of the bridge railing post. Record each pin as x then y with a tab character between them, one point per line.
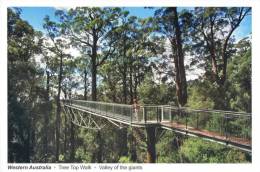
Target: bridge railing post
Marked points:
131	114
99	108
197	120
170	114
186	119
113	109
226	126
162	113
158	114
144	114
105	108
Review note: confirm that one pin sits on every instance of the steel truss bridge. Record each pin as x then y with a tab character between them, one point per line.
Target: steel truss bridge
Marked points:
224	127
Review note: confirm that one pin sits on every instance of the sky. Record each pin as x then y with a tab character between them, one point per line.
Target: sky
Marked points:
35	16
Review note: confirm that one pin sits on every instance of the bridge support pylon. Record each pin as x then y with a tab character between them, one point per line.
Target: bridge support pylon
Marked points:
122	141
151	141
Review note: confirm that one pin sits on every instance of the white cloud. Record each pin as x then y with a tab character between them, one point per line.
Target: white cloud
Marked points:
63	8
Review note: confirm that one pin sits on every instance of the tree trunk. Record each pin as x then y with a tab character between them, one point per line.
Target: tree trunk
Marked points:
58	112
133	154
94	80
181	78
47	86
131	84
65	136
135	85
46	117
100	147
224	75
124	83
94	67
151	141
213	51
85	85
124	71
122	142
28	143
72	141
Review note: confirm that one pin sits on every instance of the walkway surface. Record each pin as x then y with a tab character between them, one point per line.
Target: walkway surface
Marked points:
226	127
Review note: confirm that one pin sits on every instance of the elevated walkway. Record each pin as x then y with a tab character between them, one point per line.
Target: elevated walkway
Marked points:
225	127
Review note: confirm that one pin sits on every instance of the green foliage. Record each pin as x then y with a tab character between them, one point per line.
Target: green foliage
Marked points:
167	148
198	151
239	70
61	158
201	95
153	93
25	92
83	155
84	151
125	159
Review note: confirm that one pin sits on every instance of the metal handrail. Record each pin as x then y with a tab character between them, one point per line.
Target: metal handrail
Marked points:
209	110
104	103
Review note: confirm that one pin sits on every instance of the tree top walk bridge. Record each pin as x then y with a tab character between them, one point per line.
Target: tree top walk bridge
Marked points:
225	127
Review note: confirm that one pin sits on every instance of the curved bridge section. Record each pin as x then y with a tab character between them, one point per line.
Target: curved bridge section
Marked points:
225	127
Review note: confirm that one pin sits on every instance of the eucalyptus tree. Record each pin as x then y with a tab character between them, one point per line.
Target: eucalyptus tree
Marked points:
212	36
70	83
132	51
122	45
57	45
46	61
172	24
88	29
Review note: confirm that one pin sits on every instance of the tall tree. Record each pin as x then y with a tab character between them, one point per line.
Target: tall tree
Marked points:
169	24
213	30
46	61
56	45
88	29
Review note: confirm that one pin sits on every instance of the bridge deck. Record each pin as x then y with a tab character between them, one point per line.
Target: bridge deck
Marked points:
235	141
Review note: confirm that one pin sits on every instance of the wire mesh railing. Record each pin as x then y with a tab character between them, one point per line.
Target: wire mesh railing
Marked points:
113	110
232	126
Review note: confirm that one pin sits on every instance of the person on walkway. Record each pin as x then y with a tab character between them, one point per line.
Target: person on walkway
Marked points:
136	109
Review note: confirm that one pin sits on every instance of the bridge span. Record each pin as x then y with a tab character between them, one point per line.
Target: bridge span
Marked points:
224	127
